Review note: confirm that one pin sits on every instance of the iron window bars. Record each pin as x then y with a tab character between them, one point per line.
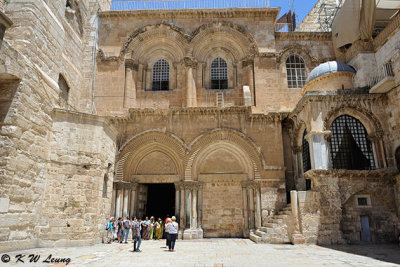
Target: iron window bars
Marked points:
219	74
161	75
295	71
350	147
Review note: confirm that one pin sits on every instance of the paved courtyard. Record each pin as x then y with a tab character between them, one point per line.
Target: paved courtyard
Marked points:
215	252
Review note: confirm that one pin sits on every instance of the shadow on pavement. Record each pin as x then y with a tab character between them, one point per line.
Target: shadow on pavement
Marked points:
383	252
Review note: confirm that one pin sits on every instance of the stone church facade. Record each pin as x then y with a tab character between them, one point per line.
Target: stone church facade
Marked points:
279	137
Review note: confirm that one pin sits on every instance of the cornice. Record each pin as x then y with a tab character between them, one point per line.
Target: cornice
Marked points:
352	174
345	97
303	36
194	13
85	117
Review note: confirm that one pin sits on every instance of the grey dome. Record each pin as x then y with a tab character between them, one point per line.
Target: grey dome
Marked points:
329	67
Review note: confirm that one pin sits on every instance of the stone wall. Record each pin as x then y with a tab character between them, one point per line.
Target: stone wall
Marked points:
36	49
338	210
74	210
222	212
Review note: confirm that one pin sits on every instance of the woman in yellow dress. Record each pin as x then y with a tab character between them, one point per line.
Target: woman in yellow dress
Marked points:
158	228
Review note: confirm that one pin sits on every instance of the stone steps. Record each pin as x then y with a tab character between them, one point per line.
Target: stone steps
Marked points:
275	231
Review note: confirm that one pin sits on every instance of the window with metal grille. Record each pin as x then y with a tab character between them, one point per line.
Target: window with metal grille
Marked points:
362	201
306	153
295	71
219	74
161	75
350	147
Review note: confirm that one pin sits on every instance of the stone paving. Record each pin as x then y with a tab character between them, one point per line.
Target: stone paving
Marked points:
216	252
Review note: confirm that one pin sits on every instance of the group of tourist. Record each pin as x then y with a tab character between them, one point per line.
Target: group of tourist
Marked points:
147	229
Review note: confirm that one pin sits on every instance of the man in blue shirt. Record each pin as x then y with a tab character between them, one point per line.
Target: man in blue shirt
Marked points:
136	232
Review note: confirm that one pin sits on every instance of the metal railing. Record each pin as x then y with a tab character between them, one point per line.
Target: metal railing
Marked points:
185	4
381	73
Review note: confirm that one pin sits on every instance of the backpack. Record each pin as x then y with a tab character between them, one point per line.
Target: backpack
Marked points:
127	225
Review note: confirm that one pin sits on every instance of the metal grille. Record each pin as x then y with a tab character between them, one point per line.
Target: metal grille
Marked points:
306	154
161	75
219	74
350	147
295	71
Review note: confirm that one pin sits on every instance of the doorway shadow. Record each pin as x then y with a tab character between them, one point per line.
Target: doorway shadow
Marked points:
383	252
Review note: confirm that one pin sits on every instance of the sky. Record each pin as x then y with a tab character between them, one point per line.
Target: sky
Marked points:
301	7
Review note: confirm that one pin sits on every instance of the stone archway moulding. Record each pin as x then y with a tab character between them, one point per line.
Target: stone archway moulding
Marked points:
185	40
367	118
241	144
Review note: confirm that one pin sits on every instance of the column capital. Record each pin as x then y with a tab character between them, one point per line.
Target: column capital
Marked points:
326	134
131	64
247	61
250	184
376	136
190	62
191	185
121	185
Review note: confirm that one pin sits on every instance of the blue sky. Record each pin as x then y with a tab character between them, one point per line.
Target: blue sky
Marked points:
301	7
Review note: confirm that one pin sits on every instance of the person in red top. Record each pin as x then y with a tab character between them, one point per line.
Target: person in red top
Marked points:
165	232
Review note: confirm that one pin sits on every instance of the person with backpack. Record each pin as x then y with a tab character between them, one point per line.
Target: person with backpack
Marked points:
120	229
127	227
110	227
136	232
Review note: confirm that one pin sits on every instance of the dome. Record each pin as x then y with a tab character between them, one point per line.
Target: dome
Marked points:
329	67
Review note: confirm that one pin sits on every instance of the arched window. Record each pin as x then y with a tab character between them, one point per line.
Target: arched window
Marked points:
105	182
161	75
64	88
219	74
295	71
397	157
306	154
350	147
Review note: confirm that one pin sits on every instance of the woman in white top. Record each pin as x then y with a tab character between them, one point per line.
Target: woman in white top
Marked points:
172	228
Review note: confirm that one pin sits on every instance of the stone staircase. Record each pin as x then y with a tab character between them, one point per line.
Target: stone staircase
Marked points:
277	231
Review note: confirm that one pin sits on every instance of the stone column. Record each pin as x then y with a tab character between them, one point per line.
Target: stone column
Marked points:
140	84
148	79
251	207
118	203
113	200
258	205
319	150
247	66
177	201
182	215
130	83
191	96
245	210
193	223
126	202
200	206
132	209
378	149
188	202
